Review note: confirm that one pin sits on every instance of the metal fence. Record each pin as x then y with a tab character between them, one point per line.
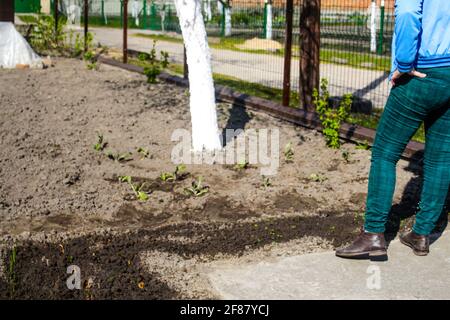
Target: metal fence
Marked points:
247	39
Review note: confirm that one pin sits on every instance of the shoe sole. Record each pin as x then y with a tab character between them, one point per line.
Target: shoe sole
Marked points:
369	254
416	252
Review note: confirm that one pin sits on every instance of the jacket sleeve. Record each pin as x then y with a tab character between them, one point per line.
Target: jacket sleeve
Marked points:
408	27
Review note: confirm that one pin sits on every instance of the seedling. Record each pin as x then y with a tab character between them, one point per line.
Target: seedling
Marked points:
143	152
266	182
288	153
346	155
316	177
197	188
363	145
242	165
173	176
101	143
138	190
119	157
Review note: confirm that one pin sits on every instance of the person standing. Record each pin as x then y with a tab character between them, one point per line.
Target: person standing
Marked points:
421	93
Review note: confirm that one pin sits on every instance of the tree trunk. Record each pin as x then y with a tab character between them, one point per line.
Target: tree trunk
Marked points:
205	131
7	11
309	51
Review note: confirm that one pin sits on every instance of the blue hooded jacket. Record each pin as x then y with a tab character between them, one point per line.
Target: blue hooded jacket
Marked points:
422	34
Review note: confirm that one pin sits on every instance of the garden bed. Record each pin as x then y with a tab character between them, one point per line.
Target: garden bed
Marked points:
61	202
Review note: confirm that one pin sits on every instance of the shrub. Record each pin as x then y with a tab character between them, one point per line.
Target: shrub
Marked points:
331	118
45	38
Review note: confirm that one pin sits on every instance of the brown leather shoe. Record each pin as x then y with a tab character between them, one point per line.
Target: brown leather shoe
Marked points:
419	243
367	245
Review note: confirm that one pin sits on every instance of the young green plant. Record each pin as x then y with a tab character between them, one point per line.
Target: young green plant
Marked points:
175	175
119	157
143	152
197	189
101	143
331	118
242	165
288	153
266	182
138	190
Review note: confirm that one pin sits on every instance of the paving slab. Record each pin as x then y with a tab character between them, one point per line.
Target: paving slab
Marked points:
324	276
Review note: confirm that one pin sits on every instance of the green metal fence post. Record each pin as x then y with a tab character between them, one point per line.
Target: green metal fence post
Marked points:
222	30
144	16
381	35
121	13
265	20
103	11
169	21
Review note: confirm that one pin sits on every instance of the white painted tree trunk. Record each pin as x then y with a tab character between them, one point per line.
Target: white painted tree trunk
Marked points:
208	10
205	131
373	27
227	21
135	11
269	25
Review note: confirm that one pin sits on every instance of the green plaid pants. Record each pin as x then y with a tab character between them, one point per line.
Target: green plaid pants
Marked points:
410	103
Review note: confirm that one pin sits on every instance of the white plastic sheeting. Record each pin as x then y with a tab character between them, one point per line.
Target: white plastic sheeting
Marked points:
15	50
205	131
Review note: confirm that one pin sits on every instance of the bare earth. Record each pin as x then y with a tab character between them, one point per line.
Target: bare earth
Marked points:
61	203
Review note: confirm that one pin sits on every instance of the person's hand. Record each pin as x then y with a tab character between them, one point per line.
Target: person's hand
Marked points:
397	75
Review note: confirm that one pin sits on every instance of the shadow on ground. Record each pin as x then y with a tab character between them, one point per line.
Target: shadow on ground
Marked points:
112	261
406	209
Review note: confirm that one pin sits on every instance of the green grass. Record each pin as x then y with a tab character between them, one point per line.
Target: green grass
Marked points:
27	18
159	37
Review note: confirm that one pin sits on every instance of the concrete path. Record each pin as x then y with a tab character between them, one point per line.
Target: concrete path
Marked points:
261	68
323	276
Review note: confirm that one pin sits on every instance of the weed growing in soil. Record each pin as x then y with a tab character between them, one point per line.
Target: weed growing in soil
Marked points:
331	118
138	190
346	155
173	176
242	165
197	188
288	153
363	145
143	152
101	143
266	182
119	157
317	177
